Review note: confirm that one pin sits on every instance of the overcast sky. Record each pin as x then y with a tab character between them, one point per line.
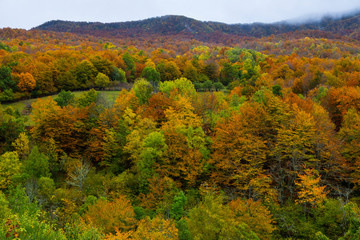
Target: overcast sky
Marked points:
30	13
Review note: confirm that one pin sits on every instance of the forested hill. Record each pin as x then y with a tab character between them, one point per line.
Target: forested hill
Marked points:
172	25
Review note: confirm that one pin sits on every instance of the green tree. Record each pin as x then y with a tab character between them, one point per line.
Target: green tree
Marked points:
85	74
218	86
102	65
65	98
143	90
130	66
151	75
153	148
36	165
228	74
10	166
11	125
208	85
117	74
211	220
182	86
6	81
177	208
277	90
168	70
87	98
4	207
102	81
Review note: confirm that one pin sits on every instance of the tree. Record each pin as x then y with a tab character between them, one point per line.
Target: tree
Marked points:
277	90
153	149
36	165
187	144
156	228
181	86
102	81
143	90
212	220
295	147
177	209
228	74
117	74
239	153
117	214
85	74
11	125
79	174
27	82
130	66
102	65
218	86
6	81
10	166
87	98
67	126
21	145
255	215
349	134
65	98
151	75
168	70
207	85
310	190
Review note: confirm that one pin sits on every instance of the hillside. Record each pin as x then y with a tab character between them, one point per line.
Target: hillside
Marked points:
174	25
253	129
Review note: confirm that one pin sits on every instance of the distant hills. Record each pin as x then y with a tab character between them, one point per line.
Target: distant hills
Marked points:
348	26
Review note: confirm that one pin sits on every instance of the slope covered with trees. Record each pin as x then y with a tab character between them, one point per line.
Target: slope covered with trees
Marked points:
225	138
179	25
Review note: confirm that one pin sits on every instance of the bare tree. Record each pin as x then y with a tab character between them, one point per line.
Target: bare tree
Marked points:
78	176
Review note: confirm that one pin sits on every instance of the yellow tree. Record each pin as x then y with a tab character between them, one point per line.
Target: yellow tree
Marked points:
255	215
21	145
309	189
9	167
112	215
295	147
119	235
156	228
27	82
67	125
350	135
240	153
186	155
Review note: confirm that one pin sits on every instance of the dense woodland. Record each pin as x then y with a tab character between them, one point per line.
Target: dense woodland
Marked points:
236	138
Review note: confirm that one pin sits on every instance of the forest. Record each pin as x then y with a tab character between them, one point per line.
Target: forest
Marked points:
225	138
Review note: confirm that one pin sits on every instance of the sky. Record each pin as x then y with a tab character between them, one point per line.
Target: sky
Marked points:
31	13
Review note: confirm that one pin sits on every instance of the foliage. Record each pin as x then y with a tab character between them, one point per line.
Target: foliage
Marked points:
143	90
27	82
102	81
36	165
181	86
10	166
156	228
213	220
275	155
110	215
65	98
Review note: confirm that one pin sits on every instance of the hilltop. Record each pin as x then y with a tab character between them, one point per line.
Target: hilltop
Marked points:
332	27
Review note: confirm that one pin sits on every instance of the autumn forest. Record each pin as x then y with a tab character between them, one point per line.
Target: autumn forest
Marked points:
213	133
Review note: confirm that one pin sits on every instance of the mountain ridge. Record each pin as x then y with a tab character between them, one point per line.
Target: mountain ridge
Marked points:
177	24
